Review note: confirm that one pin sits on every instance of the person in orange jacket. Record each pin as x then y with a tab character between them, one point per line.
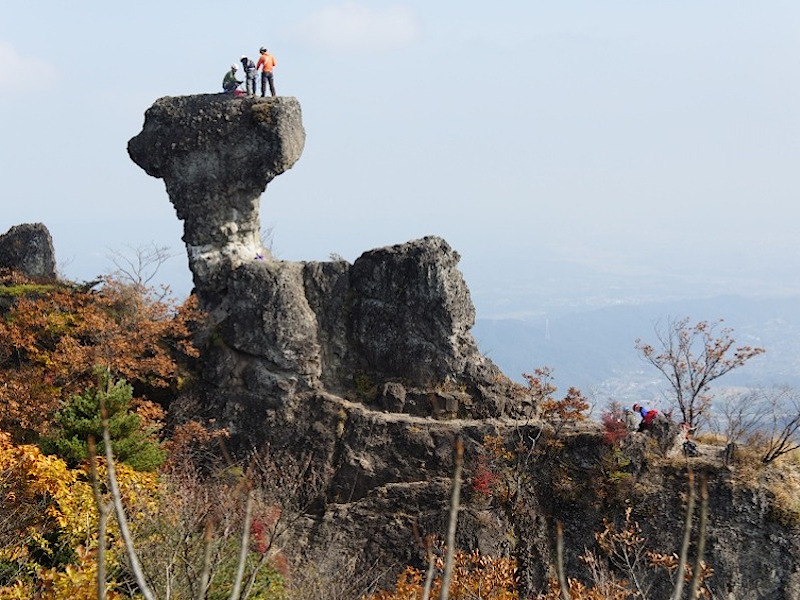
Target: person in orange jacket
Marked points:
266	62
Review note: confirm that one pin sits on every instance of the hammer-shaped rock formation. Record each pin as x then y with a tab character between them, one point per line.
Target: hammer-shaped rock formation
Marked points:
393	328
216	155
346	362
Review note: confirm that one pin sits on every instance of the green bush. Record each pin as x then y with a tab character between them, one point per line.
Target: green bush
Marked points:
80	418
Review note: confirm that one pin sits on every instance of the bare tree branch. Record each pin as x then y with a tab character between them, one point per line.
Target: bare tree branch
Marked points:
120	513
687	536
782	436
691	357
103	510
701	540
248	520
455	500
208	544
139	265
562	578
426	590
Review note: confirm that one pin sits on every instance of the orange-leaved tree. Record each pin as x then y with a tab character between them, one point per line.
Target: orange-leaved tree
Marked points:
52	341
474	576
572	407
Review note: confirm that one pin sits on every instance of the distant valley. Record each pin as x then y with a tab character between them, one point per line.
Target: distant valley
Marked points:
593	348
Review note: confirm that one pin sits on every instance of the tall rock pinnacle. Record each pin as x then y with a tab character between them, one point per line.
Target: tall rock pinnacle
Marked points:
216	155
396	321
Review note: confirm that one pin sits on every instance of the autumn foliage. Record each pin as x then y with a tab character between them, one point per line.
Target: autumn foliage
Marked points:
48	527
572	407
614	426
691	357
52	341
474	576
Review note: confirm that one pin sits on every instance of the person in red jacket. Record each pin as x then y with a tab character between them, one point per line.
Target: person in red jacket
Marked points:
266	62
648	416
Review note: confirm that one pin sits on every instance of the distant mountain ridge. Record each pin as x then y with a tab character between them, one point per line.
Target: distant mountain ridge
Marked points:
593	349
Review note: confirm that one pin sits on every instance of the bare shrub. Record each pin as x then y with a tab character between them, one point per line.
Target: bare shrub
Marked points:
691	357
782	423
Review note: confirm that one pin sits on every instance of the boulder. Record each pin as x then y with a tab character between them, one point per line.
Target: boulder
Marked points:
28	249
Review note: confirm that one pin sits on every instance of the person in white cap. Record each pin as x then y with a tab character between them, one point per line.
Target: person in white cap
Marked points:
230	83
250	75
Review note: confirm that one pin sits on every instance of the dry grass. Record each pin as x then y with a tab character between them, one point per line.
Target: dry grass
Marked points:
712	439
780	478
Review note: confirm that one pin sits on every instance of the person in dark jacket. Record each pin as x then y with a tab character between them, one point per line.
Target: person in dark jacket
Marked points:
250	75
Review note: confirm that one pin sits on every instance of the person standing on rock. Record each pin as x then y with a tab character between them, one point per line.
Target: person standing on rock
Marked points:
250	75
266	62
229	82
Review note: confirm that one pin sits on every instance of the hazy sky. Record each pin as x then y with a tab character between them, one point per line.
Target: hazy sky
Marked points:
597	149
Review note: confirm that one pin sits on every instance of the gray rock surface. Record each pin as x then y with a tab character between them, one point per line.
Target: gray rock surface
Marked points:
411	312
28	248
399	314
371	370
216	155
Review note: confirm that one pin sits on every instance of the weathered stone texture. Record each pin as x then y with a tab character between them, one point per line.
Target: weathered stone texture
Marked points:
28	248
371	369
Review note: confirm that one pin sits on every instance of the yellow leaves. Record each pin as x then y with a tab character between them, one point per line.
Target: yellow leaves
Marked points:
75	582
495	446
141	490
63	497
36	480
52	502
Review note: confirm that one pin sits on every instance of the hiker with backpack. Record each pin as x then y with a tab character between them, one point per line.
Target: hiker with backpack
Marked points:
648	416
250	75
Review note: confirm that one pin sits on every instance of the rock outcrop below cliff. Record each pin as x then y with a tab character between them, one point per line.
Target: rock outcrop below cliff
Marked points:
28	249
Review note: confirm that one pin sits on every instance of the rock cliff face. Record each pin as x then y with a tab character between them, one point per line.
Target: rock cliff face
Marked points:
28	248
372	370
393	327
